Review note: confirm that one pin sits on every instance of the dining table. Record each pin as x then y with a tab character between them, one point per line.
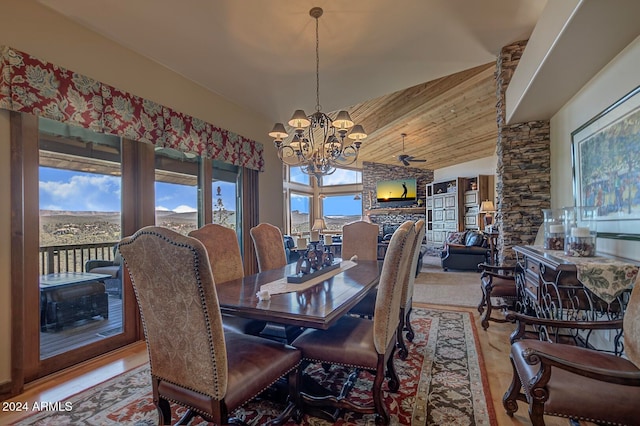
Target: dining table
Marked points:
317	304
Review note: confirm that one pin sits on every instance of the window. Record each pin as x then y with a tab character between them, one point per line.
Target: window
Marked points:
339	210
176	190
298	176
342	177
80	182
300	206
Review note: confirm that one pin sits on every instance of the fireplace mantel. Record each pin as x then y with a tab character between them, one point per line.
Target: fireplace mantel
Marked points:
395	210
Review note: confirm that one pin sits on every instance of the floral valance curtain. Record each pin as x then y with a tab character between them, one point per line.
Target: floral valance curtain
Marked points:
30	85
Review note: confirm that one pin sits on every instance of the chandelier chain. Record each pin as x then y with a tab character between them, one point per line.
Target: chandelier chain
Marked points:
318	107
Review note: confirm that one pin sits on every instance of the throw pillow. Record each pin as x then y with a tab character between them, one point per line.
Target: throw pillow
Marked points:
456	238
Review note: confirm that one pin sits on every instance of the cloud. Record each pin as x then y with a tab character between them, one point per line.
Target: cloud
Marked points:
161	209
185	209
339	177
83	192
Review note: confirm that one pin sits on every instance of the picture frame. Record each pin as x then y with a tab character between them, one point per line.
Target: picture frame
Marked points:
606	167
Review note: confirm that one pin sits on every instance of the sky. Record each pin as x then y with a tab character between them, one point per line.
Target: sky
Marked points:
70	190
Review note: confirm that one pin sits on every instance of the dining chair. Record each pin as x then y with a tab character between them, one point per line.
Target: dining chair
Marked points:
577	382
194	362
224	255
360	238
366	307
496	282
269	246
362	343
407	292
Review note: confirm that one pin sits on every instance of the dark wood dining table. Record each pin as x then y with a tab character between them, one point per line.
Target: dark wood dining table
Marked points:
317	307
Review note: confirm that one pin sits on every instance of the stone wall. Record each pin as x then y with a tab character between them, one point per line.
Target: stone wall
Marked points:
523	185
375	172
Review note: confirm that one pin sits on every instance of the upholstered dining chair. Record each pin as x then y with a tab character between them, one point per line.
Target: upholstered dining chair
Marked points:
496	282
194	362
224	255
269	245
407	291
571	381
360	238
362	343
366	307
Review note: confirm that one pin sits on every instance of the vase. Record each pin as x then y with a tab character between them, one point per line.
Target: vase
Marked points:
553	229
580	231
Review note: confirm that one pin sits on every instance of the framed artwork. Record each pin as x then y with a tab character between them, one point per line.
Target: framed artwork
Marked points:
606	166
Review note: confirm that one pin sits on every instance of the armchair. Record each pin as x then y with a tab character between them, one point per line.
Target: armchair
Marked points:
113	285
496	282
576	382
465	250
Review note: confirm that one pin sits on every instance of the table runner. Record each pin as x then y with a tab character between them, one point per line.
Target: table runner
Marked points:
605	277
282	286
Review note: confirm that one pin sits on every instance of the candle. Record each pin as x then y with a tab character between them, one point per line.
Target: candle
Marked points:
580	232
301	243
556	229
328	240
315	235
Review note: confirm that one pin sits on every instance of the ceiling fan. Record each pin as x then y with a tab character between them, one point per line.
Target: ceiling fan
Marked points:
408	159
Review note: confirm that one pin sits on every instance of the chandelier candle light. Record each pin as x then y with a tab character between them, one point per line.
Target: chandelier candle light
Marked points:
318	143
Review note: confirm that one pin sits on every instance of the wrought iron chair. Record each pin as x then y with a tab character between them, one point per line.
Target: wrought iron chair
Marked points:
496	282
361	343
574	381
194	362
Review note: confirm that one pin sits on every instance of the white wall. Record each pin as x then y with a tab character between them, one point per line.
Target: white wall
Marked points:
615	80
35	29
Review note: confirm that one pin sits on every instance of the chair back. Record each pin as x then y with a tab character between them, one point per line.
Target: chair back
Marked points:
223	249
179	307
269	245
394	268
632	326
407	293
360	238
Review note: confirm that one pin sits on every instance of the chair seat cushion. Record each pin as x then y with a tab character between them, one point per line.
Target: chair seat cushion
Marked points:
502	287
572	395
110	270
348	342
242	325
254	363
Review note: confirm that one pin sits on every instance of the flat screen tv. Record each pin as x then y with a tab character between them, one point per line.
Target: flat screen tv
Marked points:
398	190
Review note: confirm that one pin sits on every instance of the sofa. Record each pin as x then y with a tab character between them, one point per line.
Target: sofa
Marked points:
465	250
113	267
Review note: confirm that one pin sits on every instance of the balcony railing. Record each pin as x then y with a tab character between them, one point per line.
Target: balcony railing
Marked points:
71	258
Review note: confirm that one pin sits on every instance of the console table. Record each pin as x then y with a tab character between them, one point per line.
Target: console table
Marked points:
552	285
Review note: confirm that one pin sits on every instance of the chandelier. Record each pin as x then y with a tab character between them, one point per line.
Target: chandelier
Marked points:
318	143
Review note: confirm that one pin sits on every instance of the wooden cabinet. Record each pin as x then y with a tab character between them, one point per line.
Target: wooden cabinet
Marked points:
444	209
476	190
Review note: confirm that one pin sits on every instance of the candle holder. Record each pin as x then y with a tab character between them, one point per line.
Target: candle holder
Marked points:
580	231
553	229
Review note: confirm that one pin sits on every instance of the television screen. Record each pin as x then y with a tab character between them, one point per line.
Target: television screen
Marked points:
396	190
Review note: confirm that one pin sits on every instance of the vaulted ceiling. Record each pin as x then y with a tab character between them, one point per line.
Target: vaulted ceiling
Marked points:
420	67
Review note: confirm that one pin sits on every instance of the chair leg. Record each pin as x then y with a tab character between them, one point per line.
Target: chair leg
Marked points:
394	381
483	301
164	411
402	347
407	325
486	290
378	396
509	400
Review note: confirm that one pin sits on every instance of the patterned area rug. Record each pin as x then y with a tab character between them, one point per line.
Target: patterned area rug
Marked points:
443	382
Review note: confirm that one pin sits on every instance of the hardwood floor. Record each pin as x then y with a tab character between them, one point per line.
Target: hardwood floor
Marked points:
494	347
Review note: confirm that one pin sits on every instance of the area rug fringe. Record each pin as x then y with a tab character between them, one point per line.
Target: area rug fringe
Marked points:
442	382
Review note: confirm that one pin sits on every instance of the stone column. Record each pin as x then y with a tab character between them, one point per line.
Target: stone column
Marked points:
524	166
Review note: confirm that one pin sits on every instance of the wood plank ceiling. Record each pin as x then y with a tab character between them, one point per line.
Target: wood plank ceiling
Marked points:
448	121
